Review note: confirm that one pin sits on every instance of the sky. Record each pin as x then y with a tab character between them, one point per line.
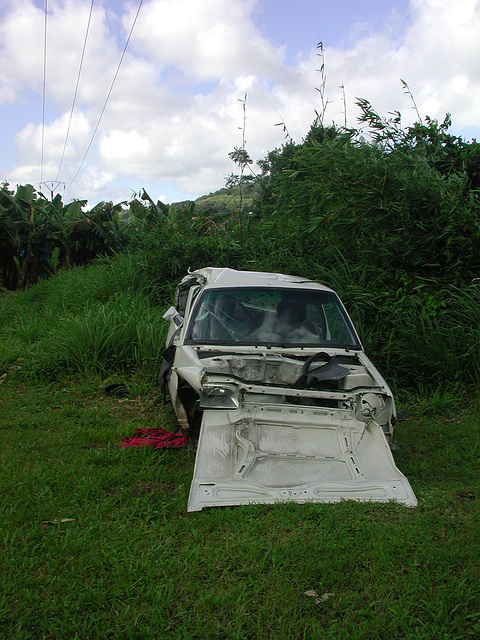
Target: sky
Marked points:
99	100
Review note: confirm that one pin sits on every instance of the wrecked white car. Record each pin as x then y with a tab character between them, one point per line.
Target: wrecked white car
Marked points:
269	371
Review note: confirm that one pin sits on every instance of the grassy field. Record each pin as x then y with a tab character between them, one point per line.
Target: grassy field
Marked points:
129	562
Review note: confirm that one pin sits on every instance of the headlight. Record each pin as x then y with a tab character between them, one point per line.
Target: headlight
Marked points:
223	396
373	406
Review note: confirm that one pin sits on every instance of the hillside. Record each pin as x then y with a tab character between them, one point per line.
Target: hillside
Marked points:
225	201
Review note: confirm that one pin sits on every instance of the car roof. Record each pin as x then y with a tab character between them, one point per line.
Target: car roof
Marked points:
217	278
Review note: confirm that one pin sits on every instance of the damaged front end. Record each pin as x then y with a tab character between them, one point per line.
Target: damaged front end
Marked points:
266	437
270	372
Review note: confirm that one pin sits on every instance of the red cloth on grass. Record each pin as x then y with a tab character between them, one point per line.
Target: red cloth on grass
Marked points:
159	438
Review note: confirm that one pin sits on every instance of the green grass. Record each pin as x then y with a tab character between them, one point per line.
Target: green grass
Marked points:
131	563
128	561
98	319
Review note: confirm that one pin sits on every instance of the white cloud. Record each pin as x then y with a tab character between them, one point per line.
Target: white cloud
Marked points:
175	110
119	147
443	46
204	40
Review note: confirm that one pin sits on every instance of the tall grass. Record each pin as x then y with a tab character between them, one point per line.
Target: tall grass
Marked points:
437	346
102	318
109	317
123	334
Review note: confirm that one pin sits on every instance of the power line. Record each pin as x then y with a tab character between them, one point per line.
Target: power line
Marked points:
44	86
108	95
76	89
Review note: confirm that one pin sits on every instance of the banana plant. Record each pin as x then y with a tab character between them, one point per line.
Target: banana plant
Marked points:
22	221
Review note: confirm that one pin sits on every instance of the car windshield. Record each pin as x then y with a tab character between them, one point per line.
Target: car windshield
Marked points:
269	316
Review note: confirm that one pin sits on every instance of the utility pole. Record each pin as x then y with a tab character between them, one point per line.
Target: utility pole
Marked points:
52	186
